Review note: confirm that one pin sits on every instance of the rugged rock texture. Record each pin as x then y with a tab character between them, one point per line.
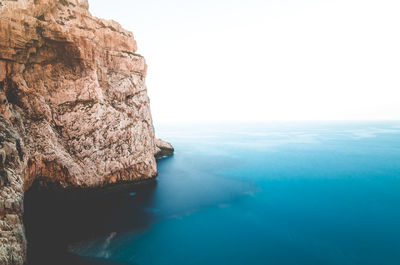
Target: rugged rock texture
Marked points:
74	111
163	149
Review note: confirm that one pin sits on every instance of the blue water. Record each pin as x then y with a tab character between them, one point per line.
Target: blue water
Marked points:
273	193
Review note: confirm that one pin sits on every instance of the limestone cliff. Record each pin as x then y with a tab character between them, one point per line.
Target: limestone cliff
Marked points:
74	111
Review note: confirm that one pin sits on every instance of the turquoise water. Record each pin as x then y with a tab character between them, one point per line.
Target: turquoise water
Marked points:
276	193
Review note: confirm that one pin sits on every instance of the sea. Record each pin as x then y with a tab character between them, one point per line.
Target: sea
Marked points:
267	193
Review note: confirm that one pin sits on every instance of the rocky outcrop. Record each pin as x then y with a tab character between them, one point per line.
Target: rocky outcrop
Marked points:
74	110
163	148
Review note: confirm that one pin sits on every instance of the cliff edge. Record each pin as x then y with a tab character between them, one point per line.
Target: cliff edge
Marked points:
74	110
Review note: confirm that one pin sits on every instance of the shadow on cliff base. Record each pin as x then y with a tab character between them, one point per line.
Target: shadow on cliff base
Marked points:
55	219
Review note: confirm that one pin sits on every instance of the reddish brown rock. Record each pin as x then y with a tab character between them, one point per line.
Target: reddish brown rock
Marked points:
163	148
74	110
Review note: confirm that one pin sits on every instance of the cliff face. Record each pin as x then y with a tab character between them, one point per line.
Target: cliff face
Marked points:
73	107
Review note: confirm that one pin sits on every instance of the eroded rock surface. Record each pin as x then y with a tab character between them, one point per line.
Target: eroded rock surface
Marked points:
163	148
74	110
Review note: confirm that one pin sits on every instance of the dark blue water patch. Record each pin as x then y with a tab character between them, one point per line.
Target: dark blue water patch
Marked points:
276	193
54	219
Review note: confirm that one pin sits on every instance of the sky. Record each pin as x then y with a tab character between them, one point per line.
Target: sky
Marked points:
260	60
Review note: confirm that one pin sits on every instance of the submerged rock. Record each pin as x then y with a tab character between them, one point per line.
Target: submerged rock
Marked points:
74	110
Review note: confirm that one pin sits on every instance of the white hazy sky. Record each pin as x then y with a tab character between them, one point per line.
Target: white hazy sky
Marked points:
250	60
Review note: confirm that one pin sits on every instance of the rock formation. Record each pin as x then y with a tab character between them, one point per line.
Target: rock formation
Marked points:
163	149
74	110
